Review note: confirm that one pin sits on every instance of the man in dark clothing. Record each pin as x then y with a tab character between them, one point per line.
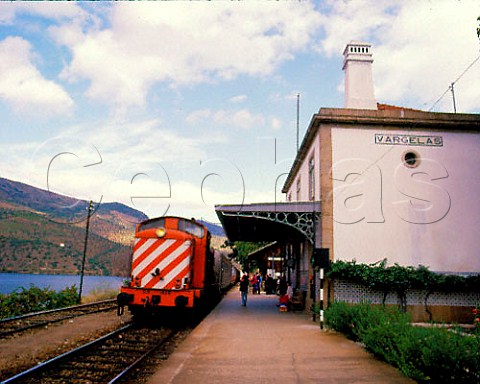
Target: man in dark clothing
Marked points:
269	285
244	289
283	286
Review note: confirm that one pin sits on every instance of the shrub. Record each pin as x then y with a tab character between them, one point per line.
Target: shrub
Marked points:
448	357
433	355
340	316
35	299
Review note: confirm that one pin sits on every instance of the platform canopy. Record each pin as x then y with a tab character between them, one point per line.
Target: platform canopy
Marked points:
270	221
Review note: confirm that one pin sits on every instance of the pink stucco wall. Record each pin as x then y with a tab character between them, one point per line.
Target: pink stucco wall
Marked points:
423	215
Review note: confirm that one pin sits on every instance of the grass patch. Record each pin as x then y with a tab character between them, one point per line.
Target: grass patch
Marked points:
100	294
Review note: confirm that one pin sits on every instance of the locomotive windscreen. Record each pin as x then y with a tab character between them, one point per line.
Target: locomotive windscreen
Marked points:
154	223
191	227
184	225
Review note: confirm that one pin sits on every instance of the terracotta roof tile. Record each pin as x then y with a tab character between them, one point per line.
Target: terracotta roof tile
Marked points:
387	107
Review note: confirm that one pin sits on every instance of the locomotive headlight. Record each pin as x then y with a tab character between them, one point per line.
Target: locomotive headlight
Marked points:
160	232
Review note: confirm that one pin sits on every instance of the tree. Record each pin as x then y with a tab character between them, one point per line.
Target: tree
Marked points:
244	248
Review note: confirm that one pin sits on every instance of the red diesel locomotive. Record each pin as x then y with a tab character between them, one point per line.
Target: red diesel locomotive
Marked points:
173	267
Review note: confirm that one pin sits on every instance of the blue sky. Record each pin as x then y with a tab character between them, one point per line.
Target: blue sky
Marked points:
173	107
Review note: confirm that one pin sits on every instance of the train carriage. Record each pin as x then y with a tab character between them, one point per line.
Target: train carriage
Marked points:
226	273
173	267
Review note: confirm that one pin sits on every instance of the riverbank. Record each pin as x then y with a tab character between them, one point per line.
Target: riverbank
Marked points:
10	282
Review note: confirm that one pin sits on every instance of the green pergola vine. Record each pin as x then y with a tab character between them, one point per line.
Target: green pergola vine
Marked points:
396	278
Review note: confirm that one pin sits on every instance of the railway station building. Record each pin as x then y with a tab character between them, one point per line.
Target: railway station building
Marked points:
370	182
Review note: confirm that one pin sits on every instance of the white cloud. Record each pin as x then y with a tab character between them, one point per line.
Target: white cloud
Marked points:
276	124
198	115
427	47
52	11
160	193
358	20
89	158
23	87
146	142
238	99
7	13
182	44
419	47
241	118
73	167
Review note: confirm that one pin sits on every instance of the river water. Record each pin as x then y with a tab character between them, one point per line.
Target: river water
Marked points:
11	281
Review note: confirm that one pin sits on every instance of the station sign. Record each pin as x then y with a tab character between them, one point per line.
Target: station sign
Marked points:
414	140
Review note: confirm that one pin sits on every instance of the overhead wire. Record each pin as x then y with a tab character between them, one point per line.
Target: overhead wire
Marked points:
436	102
450	88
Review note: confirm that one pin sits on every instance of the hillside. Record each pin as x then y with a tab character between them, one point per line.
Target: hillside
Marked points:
43	232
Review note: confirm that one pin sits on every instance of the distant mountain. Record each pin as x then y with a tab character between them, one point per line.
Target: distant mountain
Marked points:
215	230
58	207
44	232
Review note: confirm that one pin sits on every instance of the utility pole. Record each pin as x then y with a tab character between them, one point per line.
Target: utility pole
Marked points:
298	120
453	96
90	209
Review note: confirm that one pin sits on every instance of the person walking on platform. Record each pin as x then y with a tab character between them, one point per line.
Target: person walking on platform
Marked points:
255	284
269	283
244	288
282	285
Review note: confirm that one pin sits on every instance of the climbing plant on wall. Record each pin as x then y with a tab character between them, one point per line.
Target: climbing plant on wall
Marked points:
396	278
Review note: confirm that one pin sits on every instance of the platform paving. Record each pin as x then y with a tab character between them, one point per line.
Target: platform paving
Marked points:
259	344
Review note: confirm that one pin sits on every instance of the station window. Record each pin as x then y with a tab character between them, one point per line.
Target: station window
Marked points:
411	159
311	178
299	188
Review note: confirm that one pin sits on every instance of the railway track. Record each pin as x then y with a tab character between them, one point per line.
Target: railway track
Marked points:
105	360
18	324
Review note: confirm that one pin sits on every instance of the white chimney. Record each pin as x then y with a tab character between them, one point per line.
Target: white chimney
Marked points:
357	64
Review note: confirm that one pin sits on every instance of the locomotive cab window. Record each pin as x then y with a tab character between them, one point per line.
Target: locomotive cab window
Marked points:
191	227
155	223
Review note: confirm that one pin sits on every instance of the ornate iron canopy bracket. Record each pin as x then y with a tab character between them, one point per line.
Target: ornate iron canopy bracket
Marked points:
304	222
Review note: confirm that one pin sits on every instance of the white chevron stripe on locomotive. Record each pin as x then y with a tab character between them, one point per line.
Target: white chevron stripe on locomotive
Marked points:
180	272
170	254
137	254
179	256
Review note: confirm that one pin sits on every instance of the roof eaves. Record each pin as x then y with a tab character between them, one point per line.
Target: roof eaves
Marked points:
387	115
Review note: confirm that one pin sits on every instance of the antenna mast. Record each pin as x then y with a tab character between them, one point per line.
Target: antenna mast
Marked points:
453	96
298	118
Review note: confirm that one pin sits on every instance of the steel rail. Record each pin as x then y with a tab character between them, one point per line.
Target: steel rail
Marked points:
46	364
48	311
50	321
122	374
